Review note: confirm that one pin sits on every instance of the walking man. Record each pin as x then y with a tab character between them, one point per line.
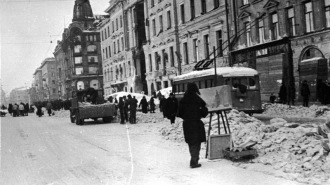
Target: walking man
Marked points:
171	108
305	93
49	108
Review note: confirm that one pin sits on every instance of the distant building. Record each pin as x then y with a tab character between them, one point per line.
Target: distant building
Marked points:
3	98
62	71
49	81
37	90
19	95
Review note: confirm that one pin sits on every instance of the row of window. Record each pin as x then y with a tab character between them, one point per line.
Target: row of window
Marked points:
91	70
160	29
165	57
90	49
106	32
118	72
291	23
91	59
117	47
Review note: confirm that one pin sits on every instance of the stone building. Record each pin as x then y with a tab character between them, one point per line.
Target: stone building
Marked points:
80	65
37	89
49	81
123	35
19	95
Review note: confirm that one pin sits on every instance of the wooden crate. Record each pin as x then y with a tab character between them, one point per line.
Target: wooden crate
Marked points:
217	143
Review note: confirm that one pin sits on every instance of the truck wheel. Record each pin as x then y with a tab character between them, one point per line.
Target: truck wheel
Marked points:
72	118
77	120
82	122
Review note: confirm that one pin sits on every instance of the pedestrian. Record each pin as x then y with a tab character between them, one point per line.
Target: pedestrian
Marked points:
10	109
159	95
21	109
49	108
26	109
126	103
110	99
132	107
191	110
171	107
154	94
39	110
15	110
321	91
152	105
282	94
144	104
272	98
305	93
161	103
121	110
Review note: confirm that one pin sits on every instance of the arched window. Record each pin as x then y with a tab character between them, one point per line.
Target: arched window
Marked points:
80	85
91	49
312	53
95	84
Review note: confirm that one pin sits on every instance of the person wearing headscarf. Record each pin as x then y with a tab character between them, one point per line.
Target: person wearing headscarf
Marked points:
193	128
171	108
121	110
26	109
144	104
282	94
39	110
152	105
10	109
132	106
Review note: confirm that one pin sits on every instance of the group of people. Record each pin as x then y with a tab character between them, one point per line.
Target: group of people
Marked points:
125	105
17	110
287	95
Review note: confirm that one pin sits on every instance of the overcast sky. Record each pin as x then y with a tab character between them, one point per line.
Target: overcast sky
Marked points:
27	29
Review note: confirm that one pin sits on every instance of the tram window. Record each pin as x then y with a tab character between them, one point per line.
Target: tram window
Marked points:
202	84
252	83
209	83
227	81
205	83
184	87
244	81
199	85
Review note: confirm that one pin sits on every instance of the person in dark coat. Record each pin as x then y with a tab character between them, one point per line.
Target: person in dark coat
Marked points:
305	93
126	103
121	110
144	104
162	105
26	109
272	98
321	91
152	105
154	94
110	99
39	110
10	109
132	108
282	94
15	110
49	108
193	128
159	95
171	108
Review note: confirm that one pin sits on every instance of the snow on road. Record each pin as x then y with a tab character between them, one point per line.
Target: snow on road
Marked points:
51	150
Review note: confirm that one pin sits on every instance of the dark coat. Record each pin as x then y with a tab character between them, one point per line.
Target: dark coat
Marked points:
162	105
189	111
282	94
152	104
121	105
144	104
39	111
171	107
10	108
304	91
133	104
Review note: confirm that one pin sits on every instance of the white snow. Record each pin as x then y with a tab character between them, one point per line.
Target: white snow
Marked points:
311	59
221	71
166	91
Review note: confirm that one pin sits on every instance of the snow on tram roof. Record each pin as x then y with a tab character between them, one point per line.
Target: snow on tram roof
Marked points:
223	71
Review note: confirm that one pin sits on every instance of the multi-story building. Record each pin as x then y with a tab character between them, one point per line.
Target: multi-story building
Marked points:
275	36
19	95
80	65
49	81
36	92
61	70
123	58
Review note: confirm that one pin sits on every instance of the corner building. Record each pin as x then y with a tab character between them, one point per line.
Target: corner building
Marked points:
123	58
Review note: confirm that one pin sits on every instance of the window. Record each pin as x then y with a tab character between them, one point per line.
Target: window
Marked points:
106	55
92	59
203	2
54	91
172	56
185	51
121	21
53	81
160	23
219	43
261	30
92	70
78	70
101	37
150	63
169	21
113	27
216	3
206	46
91	49
192	9
78	60
109	51
275	29
116	23
248	33
195	50
118	46
122	43
327	12
77	49
152	3
91	38
182	13
309	17
245	2
114	47
154	27
157	60
86	37
165	58
291	22
108	31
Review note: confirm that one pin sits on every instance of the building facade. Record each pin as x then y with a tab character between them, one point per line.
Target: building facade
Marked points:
123	35
19	95
78	54
275	36
36	92
49	81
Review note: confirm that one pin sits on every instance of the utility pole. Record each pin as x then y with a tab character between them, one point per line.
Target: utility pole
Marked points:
228	34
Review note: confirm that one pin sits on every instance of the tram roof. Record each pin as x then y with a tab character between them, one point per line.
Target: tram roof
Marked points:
221	71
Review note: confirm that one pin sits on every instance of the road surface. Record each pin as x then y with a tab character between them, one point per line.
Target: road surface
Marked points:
53	151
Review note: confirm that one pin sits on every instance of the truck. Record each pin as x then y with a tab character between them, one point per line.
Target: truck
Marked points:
94	108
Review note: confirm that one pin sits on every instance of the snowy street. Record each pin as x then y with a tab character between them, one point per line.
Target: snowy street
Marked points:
51	150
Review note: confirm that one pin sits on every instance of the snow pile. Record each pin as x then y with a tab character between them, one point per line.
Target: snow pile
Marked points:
165	92
296	111
62	113
150	118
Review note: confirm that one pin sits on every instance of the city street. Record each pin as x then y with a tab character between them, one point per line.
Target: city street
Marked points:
51	150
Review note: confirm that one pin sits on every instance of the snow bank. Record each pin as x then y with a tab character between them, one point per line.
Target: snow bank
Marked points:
166	91
62	113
